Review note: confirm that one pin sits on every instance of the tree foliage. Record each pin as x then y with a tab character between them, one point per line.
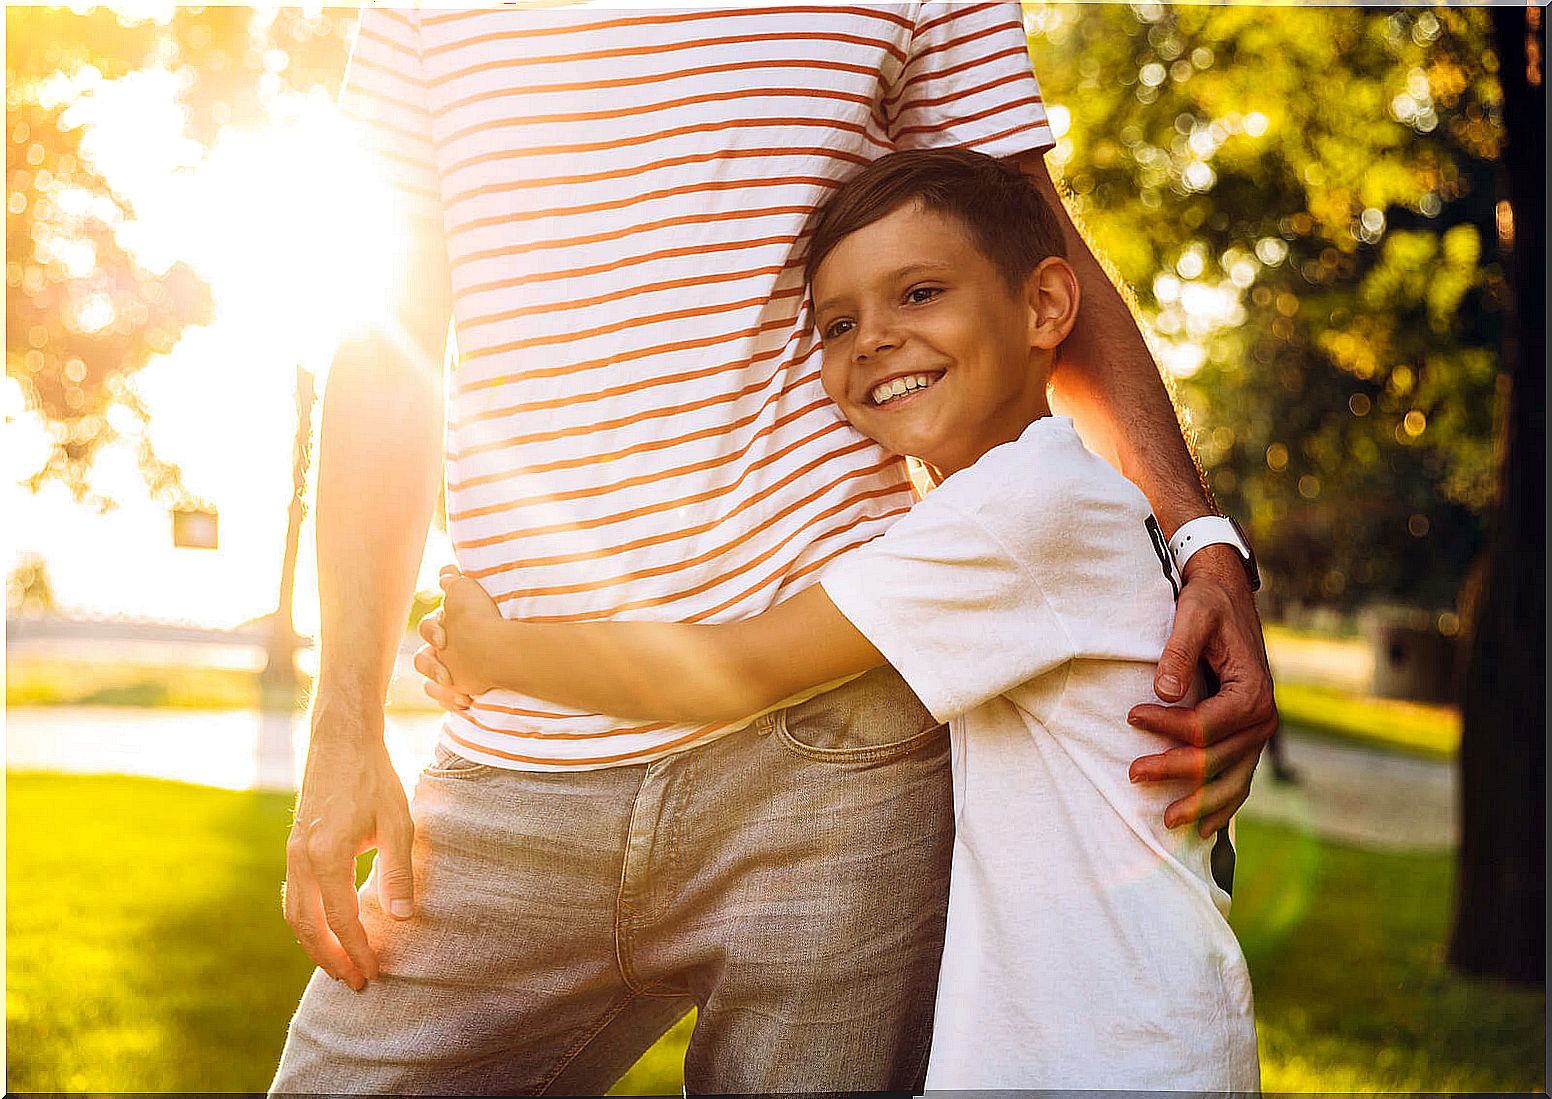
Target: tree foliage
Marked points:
86	308
1303	202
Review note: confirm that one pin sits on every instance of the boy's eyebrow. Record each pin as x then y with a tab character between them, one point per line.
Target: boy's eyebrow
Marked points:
922	267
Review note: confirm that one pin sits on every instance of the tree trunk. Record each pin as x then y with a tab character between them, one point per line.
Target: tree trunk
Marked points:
1501	884
279	684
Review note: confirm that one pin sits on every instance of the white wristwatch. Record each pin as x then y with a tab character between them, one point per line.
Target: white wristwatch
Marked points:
1214	530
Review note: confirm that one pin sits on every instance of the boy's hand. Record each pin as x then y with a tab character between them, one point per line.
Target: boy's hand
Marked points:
1222	736
457	637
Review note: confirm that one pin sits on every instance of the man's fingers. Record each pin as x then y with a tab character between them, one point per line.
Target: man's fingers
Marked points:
1181	724
393	868
1193	626
337	888
1198	763
1216	717
304	912
1213	804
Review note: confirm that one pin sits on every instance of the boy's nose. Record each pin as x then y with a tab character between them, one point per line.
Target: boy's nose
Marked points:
874	340
873	349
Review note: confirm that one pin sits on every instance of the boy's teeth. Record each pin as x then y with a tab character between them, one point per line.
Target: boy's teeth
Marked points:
888	391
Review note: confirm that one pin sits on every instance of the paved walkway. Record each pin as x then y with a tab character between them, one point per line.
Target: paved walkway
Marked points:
1361	796
1345	793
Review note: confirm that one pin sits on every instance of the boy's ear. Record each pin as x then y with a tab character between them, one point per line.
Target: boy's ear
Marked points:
1051	295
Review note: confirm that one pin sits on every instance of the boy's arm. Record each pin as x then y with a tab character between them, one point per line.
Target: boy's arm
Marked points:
670	671
1106	380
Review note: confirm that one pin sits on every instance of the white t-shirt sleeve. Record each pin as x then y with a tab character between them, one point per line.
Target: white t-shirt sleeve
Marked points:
957	614
968	82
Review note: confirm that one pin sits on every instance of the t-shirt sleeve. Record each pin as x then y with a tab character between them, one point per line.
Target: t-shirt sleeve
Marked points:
956	613
385	95
967	82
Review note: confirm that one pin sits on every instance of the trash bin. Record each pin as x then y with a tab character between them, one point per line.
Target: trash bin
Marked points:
1413	658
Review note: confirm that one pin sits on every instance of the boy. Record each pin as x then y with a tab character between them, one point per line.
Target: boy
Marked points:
1022	600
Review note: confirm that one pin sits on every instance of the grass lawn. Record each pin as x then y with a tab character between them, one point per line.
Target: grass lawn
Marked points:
1412	727
36	681
146	952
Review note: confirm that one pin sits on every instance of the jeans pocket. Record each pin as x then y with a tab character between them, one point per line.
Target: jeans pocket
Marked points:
872	719
446	763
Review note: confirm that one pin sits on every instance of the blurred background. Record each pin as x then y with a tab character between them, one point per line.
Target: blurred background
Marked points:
1332	222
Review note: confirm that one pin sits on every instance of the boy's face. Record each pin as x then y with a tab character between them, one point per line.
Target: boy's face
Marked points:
910	301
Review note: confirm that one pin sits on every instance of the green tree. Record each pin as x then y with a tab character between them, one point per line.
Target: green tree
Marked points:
1302	201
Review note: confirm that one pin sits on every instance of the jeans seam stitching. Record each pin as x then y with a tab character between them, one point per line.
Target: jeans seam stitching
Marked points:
839	755
565	1062
619	900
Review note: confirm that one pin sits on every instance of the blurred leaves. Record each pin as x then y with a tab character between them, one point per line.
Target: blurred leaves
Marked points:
87	305
1304	202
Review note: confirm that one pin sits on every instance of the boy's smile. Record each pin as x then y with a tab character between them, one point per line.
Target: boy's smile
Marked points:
927	349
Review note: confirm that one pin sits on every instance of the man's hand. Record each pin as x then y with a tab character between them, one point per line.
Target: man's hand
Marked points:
453	658
1222	736
351	801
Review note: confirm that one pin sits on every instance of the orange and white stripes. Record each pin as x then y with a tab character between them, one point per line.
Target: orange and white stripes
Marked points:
636	427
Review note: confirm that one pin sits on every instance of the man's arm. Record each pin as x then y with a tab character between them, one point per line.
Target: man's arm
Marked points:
378	471
1106	380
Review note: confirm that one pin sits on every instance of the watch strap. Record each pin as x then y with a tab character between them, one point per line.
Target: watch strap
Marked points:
1209	530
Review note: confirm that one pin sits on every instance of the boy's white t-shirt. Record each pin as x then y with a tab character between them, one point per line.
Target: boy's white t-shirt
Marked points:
1086	947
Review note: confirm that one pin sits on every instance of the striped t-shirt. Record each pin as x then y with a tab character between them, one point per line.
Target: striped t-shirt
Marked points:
636	428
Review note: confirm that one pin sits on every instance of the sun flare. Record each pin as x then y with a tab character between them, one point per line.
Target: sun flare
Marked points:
284	220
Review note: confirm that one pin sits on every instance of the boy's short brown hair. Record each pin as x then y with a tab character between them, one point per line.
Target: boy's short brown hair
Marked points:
1006	217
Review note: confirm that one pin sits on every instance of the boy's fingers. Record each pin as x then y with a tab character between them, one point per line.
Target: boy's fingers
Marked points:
427	664
445	697
431	631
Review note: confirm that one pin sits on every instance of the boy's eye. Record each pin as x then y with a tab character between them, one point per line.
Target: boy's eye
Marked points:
837	328
919	294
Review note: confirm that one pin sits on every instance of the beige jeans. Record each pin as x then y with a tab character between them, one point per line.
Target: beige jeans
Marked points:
789	880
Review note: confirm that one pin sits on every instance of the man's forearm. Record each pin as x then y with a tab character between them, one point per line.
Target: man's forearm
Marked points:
1106	380
378	471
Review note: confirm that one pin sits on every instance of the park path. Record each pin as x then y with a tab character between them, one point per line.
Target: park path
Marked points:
1347	793
1358	795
